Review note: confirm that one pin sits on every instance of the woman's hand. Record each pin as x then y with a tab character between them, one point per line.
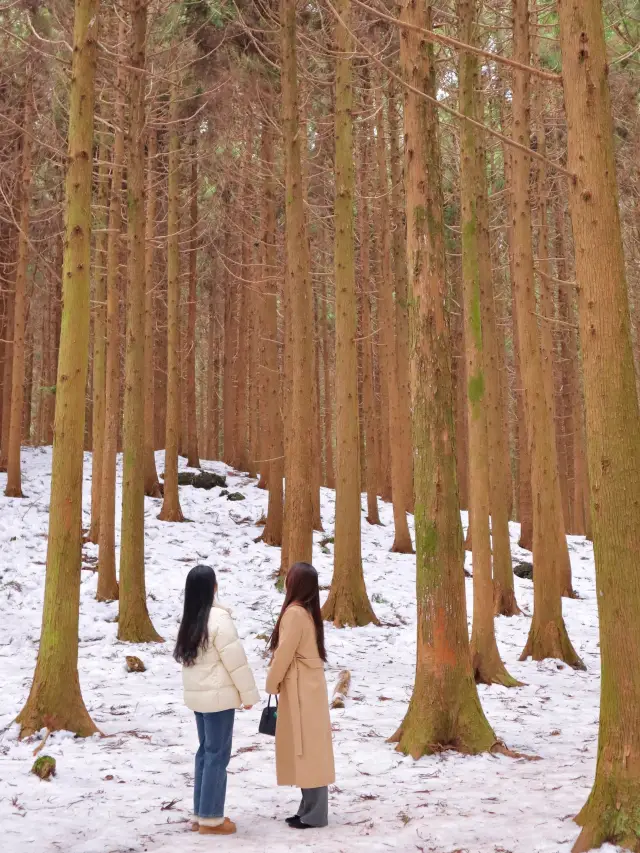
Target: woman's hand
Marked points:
247	707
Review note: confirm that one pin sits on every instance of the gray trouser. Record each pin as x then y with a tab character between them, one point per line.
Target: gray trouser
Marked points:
314	806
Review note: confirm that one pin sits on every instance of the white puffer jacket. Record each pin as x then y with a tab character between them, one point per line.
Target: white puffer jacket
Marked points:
220	679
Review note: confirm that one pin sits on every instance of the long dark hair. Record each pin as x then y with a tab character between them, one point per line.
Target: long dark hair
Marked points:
199	591
302	589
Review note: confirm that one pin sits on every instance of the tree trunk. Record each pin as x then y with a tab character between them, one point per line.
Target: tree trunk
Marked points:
99	344
299	339
372	474
229	289
445	709
55	700
134	624
401	308
547	312
388	363
504	599
107	583
14	477
28	379
348	602
476	281
273	448
193	460
548	635
330	481
613	424
171	510
7	378
151	484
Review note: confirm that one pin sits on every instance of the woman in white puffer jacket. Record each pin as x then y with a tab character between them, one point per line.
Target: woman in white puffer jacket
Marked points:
217	680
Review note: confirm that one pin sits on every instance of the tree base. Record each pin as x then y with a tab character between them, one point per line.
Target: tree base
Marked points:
504	601
13	492
569	592
373	521
139	631
57	713
611	814
109	595
108	589
429	730
270	539
348	610
401	546
153	490
488	668
550	640
171	514
526	540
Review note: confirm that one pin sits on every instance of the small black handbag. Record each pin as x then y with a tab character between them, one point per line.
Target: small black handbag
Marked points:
268	719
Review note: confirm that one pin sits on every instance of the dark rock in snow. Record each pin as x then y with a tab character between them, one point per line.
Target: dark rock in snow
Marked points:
235	496
200	479
208	480
523	570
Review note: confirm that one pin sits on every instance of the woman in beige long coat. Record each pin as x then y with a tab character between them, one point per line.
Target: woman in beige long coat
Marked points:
304	749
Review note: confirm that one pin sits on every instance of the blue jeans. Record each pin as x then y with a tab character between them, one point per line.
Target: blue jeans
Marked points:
215	732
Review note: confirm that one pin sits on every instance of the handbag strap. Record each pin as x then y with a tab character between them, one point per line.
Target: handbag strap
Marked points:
269	702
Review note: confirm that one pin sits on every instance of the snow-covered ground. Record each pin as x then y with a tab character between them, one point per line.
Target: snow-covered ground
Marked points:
131	791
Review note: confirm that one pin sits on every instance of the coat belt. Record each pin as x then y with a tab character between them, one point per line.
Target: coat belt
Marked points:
296	716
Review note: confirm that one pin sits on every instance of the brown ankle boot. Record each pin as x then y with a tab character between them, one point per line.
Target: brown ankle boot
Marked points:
195	826
228	827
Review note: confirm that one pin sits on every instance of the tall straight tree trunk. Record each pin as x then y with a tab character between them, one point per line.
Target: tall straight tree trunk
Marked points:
192	420
99	344
476	279
401	307
298	532
107	583
372	475
241	461
212	413
134	624
330	481
348	602
548	635
547	312
55	700
274	448
504	598
228	383
445	708
7	378
383	309
28	380
14	476
171	510
388	362
151	484
613	423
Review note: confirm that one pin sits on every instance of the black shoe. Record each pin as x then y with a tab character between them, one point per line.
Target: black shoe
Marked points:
296	823
292	819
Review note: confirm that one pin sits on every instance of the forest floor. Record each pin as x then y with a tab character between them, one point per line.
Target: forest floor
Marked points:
131	791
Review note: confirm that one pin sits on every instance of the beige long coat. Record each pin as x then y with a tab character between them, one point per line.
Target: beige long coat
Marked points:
304	748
